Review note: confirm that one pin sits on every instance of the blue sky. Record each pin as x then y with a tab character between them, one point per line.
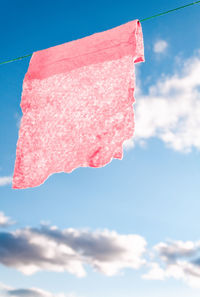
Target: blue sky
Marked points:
147	204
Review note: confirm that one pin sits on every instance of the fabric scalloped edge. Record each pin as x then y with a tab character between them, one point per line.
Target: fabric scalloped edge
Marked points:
77	103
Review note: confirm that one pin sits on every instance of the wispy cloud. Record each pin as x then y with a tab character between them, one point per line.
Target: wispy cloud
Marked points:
160	46
176	259
7	291
5	180
5	221
48	248
171	110
18	118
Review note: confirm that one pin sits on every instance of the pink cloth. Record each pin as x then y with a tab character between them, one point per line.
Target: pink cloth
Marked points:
77	104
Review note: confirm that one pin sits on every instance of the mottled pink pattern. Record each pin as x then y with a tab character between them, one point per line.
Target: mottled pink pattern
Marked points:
77	104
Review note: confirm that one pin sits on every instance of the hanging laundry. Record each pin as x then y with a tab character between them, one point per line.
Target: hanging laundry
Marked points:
77	104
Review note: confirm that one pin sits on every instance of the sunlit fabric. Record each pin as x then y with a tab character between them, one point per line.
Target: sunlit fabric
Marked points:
77	104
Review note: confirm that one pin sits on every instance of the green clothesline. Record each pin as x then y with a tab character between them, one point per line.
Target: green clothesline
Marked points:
168	11
142	20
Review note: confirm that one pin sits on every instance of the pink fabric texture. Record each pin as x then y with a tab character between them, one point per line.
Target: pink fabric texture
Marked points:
77	104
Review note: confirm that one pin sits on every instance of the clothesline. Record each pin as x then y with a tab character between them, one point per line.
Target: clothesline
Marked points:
142	20
168	11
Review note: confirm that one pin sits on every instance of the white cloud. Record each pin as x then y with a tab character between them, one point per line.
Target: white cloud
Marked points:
18	118
6	291
176	259
5	221
5	180
155	272
48	248
171	110
160	46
